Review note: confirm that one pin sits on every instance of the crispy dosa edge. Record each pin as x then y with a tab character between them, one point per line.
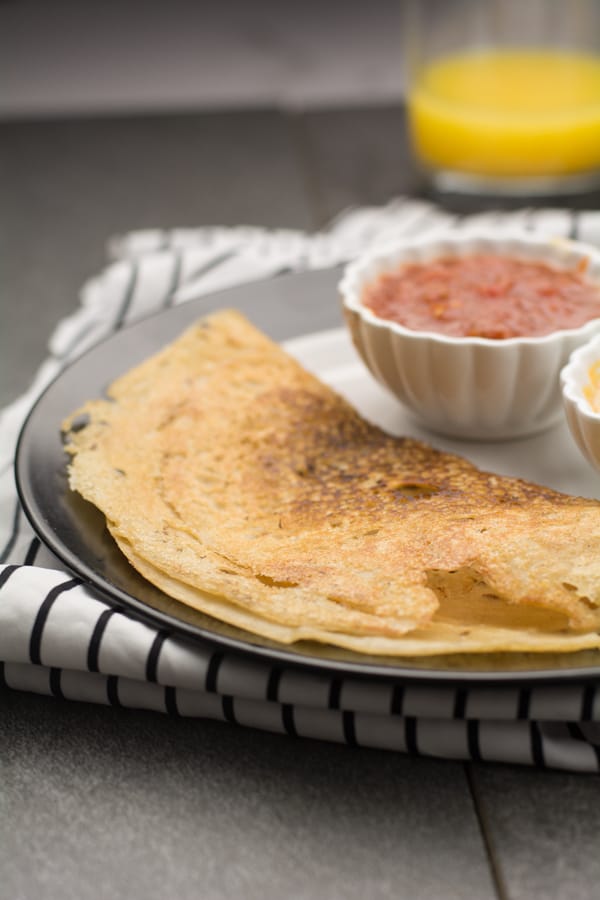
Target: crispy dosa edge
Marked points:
438	638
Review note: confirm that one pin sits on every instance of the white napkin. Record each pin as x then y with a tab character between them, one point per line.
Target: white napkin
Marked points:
58	637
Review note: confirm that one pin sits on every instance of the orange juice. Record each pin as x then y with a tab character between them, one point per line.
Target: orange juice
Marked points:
508	113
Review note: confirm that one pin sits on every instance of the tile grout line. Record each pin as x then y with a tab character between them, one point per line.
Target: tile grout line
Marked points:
484	830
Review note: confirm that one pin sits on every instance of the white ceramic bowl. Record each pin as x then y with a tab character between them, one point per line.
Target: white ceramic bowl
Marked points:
583	421
474	388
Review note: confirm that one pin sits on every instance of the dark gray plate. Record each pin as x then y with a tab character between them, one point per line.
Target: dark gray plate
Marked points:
283	307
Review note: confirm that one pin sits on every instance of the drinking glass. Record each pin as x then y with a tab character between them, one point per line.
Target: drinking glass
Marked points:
503	96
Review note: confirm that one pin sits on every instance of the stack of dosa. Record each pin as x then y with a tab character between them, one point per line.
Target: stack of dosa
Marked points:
241	485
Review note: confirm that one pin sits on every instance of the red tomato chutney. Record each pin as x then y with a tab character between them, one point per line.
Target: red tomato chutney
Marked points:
484	295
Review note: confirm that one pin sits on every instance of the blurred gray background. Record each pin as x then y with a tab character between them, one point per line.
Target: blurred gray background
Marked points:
298	118
75	58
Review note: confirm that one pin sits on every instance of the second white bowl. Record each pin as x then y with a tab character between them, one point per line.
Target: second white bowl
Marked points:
583	420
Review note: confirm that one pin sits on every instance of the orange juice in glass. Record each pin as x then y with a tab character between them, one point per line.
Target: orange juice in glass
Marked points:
504	97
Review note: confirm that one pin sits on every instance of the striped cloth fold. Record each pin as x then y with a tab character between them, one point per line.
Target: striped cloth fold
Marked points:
58	637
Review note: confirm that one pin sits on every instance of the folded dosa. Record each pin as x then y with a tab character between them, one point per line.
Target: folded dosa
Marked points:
239	484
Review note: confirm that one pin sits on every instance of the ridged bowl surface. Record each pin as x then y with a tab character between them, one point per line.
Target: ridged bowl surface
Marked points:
582	419
473	388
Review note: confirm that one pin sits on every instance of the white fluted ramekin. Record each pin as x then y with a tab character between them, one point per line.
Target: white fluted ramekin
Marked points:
473	388
583	421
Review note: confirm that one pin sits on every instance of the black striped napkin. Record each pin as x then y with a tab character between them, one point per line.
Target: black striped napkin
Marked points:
58	637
